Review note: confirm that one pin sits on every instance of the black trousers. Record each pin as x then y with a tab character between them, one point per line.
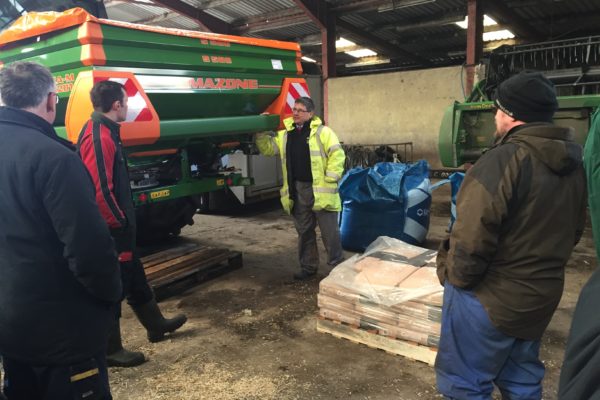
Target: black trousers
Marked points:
136	289
85	380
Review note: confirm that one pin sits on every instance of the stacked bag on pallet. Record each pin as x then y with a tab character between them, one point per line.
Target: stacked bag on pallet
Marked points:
391	290
389	199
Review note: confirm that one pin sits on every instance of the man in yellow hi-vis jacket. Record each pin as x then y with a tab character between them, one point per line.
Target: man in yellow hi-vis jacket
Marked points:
312	160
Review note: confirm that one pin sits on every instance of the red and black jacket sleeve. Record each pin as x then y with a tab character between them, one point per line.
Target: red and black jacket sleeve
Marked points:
98	149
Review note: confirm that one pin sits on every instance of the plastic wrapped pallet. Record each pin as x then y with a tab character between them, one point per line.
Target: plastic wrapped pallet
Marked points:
391	290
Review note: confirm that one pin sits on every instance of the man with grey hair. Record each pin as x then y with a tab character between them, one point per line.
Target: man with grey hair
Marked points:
59	271
312	160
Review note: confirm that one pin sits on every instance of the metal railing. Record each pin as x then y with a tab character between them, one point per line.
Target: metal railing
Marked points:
367	155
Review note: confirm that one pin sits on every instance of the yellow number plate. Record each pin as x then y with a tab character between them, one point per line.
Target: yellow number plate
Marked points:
160	193
220	182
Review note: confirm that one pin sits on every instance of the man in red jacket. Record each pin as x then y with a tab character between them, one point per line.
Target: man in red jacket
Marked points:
101	150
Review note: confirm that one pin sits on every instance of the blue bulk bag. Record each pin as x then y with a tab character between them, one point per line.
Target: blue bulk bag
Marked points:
390	199
456	180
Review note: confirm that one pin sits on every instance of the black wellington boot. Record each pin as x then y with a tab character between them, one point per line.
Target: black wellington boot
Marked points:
116	355
150	316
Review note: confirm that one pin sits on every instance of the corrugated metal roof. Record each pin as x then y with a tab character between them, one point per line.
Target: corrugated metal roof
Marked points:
291	32
424	28
248	8
179	22
557	8
560	19
135	12
152	15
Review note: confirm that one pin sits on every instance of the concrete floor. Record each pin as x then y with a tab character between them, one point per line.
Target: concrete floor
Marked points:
251	334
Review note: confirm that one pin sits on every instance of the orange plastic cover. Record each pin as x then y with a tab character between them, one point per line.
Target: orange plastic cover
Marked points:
291	89
142	125
38	23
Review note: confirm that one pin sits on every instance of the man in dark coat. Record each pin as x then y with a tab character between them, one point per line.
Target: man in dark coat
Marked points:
102	152
520	211
580	374
59	274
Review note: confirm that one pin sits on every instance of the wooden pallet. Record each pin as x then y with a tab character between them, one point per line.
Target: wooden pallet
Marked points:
187	265
371	339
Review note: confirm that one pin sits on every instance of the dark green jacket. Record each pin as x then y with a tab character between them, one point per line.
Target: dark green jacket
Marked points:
580	374
592	171
520	212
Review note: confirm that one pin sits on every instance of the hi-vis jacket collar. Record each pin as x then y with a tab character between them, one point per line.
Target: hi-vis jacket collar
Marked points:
314	122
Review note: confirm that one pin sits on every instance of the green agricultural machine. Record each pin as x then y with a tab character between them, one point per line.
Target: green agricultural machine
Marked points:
573	65
193	98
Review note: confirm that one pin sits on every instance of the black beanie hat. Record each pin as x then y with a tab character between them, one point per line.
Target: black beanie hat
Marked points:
527	97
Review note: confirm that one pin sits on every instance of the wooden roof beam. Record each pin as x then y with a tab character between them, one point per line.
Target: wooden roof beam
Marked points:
215	3
269	21
317	11
447	18
300	15
320	13
359	5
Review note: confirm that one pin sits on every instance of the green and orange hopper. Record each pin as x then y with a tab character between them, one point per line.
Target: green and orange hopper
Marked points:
193	97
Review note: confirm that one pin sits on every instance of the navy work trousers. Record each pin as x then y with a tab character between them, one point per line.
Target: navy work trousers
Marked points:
473	355
86	380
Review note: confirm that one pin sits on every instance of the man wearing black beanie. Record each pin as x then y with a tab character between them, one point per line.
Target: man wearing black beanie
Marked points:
527	97
520	211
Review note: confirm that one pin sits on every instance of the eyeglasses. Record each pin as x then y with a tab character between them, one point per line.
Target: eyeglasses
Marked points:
297	110
56	95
